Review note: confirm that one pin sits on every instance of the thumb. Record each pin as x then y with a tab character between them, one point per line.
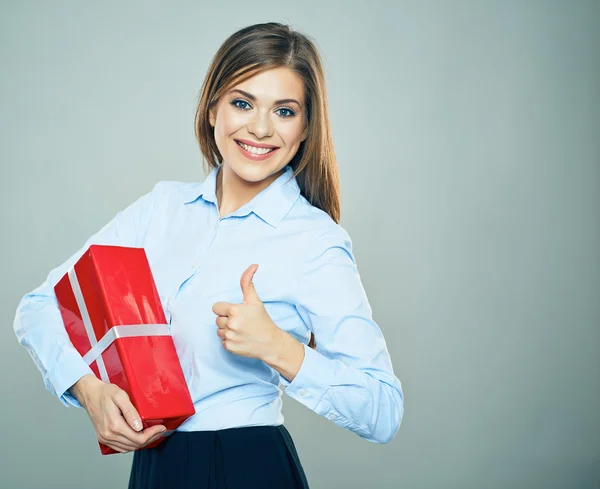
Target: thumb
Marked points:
248	290
121	400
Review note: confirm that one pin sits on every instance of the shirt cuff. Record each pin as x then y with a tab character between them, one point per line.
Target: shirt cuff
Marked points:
312	381
67	371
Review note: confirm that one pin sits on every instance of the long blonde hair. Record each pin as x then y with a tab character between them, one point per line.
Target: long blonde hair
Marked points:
258	48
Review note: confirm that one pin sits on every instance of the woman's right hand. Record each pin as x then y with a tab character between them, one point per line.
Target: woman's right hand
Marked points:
115	419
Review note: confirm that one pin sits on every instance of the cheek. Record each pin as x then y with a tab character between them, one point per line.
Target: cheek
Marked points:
229	123
291	134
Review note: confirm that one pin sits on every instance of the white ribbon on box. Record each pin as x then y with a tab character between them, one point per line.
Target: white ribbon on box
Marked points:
121	331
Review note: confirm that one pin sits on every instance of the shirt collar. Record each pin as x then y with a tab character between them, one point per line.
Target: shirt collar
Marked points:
270	204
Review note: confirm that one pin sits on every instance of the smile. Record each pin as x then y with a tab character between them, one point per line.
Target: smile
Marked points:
254	153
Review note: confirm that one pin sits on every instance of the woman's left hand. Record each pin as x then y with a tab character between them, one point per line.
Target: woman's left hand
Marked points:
247	329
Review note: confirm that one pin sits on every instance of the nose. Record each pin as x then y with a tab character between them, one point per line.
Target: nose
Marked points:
261	124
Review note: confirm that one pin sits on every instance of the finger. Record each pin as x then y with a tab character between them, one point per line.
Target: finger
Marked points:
222	322
155	431
115	426
248	290
153	439
222	308
113	440
123	444
119	430
139	439
121	400
119	447
110	434
227	334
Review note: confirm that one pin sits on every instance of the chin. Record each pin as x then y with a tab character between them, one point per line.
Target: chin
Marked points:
254	171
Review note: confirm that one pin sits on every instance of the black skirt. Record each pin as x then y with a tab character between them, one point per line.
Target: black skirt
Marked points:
235	458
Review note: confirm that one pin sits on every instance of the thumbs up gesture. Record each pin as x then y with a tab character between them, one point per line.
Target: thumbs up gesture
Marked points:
247	329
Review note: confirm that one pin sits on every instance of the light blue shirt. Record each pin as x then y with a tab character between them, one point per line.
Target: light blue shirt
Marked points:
307	279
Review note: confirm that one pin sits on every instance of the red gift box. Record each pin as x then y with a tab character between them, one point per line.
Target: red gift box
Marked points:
112	312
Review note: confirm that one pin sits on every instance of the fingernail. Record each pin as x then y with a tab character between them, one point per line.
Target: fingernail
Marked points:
137	425
162	430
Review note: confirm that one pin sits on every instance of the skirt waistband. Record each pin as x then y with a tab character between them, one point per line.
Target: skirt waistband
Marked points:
242	457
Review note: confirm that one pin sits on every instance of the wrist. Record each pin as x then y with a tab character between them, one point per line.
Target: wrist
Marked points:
278	348
81	388
287	356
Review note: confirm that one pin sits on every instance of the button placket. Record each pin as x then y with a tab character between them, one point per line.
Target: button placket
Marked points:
202	251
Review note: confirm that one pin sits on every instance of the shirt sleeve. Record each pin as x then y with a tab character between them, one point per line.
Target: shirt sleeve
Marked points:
349	379
38	323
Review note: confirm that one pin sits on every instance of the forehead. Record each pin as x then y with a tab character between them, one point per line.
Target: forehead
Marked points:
274	84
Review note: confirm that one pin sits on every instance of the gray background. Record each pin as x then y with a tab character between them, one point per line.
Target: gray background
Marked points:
467	135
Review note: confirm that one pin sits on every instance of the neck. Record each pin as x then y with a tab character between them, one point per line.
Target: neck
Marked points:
233	192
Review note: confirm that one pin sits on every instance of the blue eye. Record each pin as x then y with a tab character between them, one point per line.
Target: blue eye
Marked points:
291	113
245	106
234	103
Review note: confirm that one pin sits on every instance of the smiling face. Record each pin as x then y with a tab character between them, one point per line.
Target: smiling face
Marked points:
266	110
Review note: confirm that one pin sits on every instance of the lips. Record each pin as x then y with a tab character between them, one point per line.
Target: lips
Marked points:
253	156
262	152
255	145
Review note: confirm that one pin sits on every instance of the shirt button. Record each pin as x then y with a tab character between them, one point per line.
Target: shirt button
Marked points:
333	416
302	392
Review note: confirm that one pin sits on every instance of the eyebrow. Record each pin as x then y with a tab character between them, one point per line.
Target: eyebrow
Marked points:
277	102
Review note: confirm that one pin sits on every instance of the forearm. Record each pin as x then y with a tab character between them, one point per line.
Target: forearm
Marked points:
39	328
286	356
369	403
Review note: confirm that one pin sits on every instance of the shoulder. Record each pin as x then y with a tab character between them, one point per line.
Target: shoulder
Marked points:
164	201
171	193
175	189
319	230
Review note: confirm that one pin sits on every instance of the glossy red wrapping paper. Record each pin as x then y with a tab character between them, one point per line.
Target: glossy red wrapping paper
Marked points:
118	289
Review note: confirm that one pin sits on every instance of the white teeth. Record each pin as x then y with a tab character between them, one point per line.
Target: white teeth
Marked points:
254	150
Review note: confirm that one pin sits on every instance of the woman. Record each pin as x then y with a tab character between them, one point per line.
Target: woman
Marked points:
257	279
